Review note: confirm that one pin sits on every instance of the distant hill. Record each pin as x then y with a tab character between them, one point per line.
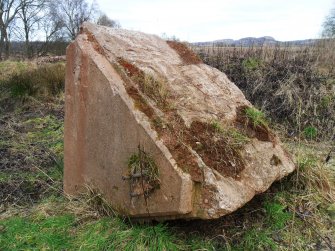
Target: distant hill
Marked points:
256	41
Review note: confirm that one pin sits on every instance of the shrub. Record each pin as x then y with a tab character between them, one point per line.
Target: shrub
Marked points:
47	80
251	63
22	85
310	132
51	77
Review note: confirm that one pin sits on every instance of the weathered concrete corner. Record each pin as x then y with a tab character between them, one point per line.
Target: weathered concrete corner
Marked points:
159	133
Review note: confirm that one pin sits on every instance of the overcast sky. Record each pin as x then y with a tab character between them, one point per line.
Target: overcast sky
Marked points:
208	20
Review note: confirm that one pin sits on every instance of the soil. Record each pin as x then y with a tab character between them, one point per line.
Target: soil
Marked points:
16	160
215	149
185	53
12	161
140	102
23	192
131	70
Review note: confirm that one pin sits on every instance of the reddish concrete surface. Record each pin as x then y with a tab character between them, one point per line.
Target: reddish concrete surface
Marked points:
126	89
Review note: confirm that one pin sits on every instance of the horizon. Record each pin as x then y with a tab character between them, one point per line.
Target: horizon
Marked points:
218	40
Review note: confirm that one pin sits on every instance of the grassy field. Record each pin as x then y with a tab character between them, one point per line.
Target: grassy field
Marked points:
297	213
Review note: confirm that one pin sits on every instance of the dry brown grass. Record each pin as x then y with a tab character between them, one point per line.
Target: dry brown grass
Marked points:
292	85
89	204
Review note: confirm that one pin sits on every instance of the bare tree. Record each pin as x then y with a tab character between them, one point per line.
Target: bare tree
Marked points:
31	13
72	13
104	20
53	31
8	12
329	25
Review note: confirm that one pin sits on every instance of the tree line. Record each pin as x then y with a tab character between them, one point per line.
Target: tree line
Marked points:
24	22
34	26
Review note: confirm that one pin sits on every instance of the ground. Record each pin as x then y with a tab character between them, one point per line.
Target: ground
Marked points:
296	213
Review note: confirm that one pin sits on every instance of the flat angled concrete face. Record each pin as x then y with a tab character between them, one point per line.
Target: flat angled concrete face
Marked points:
157	132
103	130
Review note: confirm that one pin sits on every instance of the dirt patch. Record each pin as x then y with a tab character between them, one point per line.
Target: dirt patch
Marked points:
131	70
173	135
22	145
185	53
29	148
215	149
22	192
12	161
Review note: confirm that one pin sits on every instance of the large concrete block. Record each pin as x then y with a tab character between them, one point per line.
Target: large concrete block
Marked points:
159	133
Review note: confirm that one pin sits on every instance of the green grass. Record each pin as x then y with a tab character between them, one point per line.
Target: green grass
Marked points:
257	239
292	215
115	234
61	231
31	143
33	158
310	132
251	64
277	216
256	117
37	133
327	100
54	172
217	126
19	233
306	161
266	233
237	137
22	85
47	131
